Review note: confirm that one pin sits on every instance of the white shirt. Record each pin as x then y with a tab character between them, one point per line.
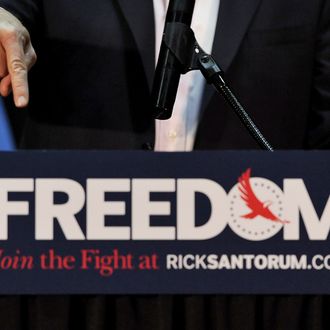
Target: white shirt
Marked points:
178	132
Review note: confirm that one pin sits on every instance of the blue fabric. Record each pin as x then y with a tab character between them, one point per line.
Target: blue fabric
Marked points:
6	137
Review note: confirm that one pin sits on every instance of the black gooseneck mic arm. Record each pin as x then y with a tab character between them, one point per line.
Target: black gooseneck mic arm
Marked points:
181	53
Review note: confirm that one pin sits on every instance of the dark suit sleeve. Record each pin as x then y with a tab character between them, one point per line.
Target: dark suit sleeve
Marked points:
27	11
319	132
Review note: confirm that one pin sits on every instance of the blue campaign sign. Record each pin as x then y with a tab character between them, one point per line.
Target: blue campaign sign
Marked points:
6	137
142	222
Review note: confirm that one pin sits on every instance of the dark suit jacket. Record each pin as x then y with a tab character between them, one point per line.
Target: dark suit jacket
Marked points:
91	86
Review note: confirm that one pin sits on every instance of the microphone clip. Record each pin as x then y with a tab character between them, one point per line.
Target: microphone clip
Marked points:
181	41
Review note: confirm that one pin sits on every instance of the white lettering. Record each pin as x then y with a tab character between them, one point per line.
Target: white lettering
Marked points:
186	226
98	208
299	201
143	208
47	210
7	207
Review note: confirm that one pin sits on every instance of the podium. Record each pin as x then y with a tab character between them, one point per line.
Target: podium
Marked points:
89	222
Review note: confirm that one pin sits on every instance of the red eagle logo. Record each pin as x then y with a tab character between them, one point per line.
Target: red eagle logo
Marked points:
257	207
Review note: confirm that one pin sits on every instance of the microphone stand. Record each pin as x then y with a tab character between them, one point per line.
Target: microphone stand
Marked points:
180	40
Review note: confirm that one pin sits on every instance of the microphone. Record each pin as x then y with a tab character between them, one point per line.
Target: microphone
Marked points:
168	70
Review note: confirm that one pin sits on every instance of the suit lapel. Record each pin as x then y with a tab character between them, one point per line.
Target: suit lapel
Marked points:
139	16
234	19
233	22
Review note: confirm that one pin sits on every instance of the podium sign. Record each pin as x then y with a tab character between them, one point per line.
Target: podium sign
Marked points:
146	223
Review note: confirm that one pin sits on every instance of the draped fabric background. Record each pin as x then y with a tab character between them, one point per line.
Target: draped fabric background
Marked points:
165	313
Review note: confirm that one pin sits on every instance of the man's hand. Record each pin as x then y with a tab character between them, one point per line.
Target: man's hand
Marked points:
17	56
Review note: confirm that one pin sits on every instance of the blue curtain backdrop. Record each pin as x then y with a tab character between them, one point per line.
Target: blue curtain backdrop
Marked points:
6	137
